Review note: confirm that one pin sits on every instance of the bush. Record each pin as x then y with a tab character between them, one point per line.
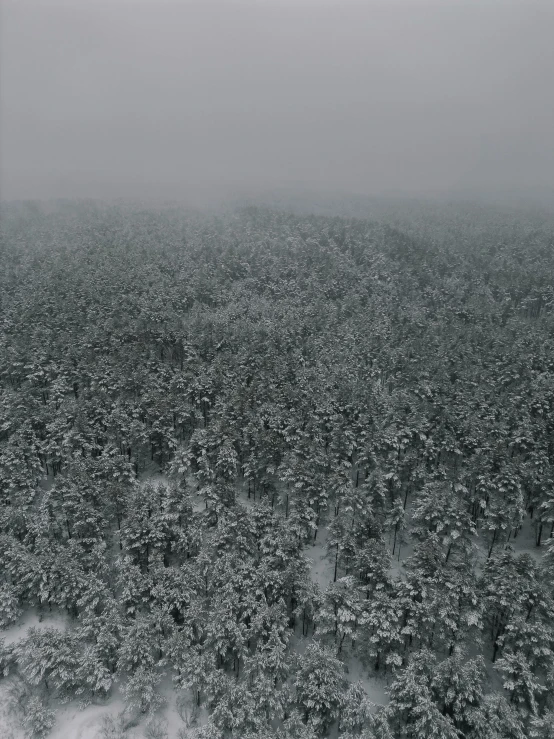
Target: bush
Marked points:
156	728
37	719
187	709
116	727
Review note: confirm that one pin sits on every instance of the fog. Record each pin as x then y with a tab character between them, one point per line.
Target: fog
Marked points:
186	99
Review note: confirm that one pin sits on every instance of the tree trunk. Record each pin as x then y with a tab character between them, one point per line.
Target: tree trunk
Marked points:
492	544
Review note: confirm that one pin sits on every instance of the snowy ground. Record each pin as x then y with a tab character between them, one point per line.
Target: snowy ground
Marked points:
75	722
525	541
32	619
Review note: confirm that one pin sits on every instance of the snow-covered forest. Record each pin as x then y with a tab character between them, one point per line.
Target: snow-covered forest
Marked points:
267	475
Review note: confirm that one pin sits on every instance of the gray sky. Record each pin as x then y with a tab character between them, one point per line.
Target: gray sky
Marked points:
102	99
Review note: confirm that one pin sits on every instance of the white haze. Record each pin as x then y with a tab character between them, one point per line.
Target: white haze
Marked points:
126	99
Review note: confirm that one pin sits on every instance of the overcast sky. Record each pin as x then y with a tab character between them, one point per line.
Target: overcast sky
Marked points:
126	98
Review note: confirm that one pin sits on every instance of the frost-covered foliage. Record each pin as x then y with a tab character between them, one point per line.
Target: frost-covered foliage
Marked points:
380	394
10	609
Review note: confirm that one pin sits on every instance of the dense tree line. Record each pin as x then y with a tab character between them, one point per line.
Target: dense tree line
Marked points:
298	379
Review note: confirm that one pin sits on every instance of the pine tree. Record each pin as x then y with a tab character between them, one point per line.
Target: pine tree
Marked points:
320	686
523	686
